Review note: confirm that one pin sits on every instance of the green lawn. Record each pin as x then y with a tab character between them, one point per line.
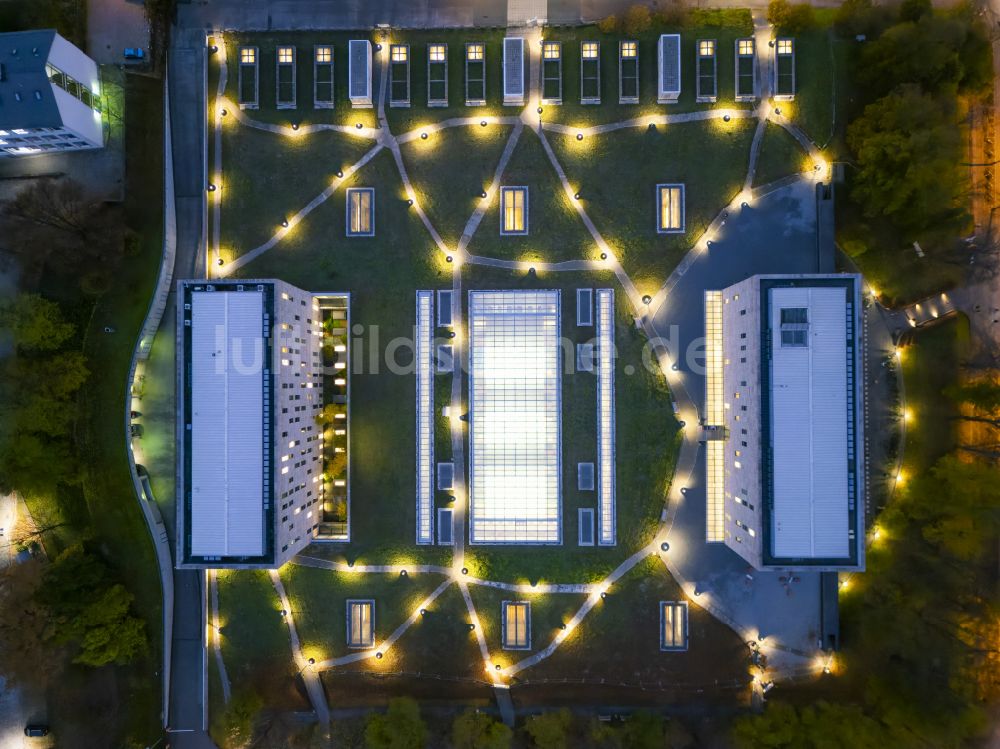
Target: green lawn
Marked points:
450	169
319	597
402	120
646	446
724	26
267	178
818	60
548	613
107	485
929	364
436	661
555	230
780	156
617	176
381	272
618	644
255	643
303	41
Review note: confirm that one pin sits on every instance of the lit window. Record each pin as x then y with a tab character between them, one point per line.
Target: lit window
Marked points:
514	210
285	55
360	211
474	51
784	46
706	48
589	50
670	200
630	50
360	624
551	50
745	46
324	54
436	52
516	625
248	55
399	52
673	625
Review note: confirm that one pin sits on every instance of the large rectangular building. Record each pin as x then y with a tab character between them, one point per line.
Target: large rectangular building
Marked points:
250	453
784	421
50	98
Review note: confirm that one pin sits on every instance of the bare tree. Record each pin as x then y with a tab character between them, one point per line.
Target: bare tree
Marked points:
59	221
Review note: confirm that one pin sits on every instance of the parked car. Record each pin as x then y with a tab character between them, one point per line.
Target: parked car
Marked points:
135	53
36	729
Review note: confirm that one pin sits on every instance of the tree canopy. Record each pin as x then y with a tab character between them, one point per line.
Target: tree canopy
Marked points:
475	730
908	146
400	727
938	53
550	730
35	323
90	611
820	726
38	387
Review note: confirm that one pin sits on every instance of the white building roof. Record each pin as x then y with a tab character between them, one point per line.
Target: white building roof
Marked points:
513	66
514	381
670	64
227	435
809	426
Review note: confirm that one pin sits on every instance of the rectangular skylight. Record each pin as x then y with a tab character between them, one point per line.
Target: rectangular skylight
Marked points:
606	416
425	416
515	394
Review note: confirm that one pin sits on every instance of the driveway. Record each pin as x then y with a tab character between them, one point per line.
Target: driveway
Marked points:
113	25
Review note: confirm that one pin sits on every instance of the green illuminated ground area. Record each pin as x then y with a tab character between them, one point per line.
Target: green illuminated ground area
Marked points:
587	197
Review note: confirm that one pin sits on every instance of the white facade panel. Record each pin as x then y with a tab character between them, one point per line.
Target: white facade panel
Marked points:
79	118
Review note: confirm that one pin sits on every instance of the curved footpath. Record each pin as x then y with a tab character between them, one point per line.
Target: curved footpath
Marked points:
143	346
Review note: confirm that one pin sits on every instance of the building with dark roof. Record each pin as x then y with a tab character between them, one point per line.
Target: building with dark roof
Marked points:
50	98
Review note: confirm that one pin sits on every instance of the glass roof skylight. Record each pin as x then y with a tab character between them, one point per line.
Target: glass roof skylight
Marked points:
515	393
425	417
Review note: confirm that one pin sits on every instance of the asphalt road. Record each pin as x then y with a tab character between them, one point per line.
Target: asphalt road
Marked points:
186	722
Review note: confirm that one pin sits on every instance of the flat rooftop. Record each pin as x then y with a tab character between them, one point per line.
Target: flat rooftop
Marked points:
227	453
812	420
516	396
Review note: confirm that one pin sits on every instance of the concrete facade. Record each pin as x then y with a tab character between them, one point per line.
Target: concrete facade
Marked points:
291	462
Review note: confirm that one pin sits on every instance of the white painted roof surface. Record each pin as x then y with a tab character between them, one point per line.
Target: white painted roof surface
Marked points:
809	419
670	64
227	440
